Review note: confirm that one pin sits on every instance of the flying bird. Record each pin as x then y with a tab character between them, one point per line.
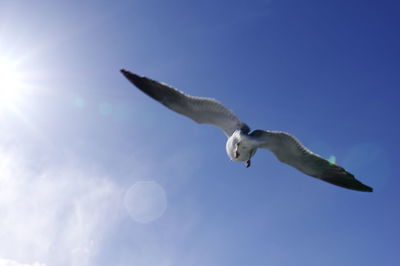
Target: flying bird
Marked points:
242	144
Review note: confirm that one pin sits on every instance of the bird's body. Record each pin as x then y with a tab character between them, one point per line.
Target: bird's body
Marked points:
243	144
241	147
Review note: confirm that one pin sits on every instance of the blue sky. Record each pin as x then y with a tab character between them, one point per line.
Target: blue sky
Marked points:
93	172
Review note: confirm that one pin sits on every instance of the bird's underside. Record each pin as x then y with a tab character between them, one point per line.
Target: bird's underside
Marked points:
241	144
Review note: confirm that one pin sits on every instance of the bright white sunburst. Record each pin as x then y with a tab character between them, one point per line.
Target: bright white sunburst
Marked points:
10	82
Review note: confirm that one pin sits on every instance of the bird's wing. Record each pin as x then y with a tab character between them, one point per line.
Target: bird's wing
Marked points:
201	110
290	151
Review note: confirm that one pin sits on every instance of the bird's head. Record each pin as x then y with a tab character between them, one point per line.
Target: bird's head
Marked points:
238	149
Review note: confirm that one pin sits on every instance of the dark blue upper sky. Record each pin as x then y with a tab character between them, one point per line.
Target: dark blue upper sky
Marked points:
77	137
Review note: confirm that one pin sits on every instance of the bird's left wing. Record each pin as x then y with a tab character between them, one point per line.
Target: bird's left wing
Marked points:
201	110
290	151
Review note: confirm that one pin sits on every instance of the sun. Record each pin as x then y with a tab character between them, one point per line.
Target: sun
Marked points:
10	81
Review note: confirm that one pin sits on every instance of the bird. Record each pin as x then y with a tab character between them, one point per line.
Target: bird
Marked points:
242	143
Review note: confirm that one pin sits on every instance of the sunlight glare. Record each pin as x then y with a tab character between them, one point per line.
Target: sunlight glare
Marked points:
9	81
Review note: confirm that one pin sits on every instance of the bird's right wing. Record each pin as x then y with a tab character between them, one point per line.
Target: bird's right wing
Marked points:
201	110
290	151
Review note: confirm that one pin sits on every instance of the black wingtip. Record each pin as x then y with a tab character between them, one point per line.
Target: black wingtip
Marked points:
338	176
354	184
368	189
135	79
364	188
358	186
144	84
125	72
350	183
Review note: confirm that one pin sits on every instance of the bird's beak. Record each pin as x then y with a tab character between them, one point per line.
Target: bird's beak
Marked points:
248	163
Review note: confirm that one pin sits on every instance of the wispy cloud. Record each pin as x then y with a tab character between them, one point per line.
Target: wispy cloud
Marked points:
56	216
5	262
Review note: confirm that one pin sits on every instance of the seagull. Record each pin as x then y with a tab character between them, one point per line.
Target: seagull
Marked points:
243	144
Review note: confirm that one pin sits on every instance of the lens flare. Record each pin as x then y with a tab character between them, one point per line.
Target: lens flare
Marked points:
145	201
105	108
332	159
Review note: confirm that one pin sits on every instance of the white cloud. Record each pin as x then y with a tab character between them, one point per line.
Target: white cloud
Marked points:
57	215
4	262
56	208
